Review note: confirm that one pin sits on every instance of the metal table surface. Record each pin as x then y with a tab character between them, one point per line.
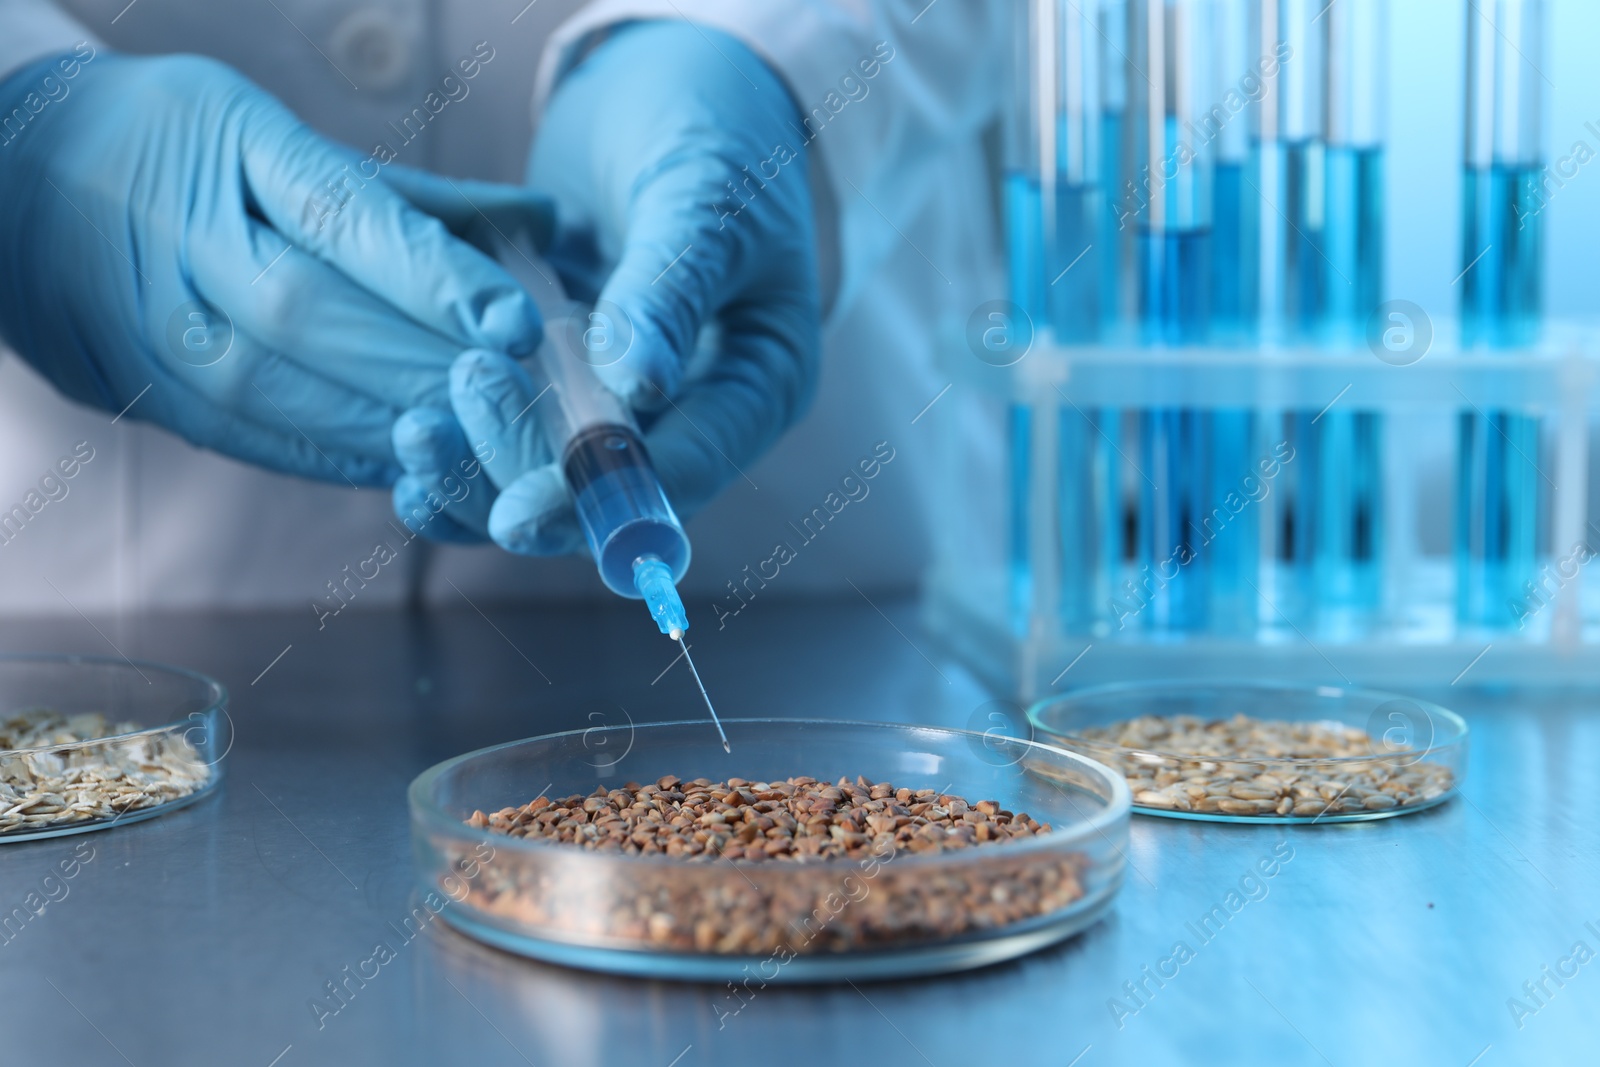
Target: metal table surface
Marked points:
204	937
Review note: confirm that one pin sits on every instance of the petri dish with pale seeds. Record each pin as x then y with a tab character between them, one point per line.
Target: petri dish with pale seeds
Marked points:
1263	751
87	743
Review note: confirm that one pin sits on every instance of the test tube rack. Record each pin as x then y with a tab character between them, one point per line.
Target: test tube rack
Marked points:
1024	647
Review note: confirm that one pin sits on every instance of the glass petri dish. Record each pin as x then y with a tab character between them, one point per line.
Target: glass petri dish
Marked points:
897	913
1412	757
171	759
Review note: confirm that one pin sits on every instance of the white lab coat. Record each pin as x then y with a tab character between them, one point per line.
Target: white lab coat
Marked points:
150	522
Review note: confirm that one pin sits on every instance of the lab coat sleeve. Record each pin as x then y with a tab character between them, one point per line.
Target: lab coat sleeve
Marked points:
35	29
884	89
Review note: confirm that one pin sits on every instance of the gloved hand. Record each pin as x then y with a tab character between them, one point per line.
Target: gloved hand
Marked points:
167	224
493	406
677	164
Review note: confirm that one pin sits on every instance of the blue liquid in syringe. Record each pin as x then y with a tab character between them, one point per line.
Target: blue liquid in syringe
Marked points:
1347	498
621	507
1497	488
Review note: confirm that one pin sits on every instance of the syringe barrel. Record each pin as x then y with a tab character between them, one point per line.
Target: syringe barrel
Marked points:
621	506
620	503
581	401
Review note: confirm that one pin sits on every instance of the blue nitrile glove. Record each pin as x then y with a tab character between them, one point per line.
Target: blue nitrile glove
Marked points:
490	428
677	165
173	241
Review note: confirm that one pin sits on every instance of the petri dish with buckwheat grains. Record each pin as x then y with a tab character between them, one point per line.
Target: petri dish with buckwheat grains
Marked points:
878	892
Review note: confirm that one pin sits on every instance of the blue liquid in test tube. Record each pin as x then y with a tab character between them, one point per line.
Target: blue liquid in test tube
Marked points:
1498	496
1347	497
1234	235
1172	273
1282	216
1174	284
1023	220
1055	217
1235	200
1117	231
1305	261
1232	539
1019	570
1085	488
1026	242
1117	166
1304	285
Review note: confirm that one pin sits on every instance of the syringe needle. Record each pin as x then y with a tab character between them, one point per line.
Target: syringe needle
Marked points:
653	578
718	722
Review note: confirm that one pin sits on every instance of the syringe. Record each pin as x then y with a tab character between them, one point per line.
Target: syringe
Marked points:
637	542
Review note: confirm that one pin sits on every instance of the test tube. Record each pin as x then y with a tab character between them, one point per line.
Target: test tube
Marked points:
1055	216
1172	44
1234	230
1346	491
1117	230
1232	540
1027	129
1497	492
1087	489
1029	140
1054	198
1172	47
1356	103
1287	161
1116	170
1071	173
1301	133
